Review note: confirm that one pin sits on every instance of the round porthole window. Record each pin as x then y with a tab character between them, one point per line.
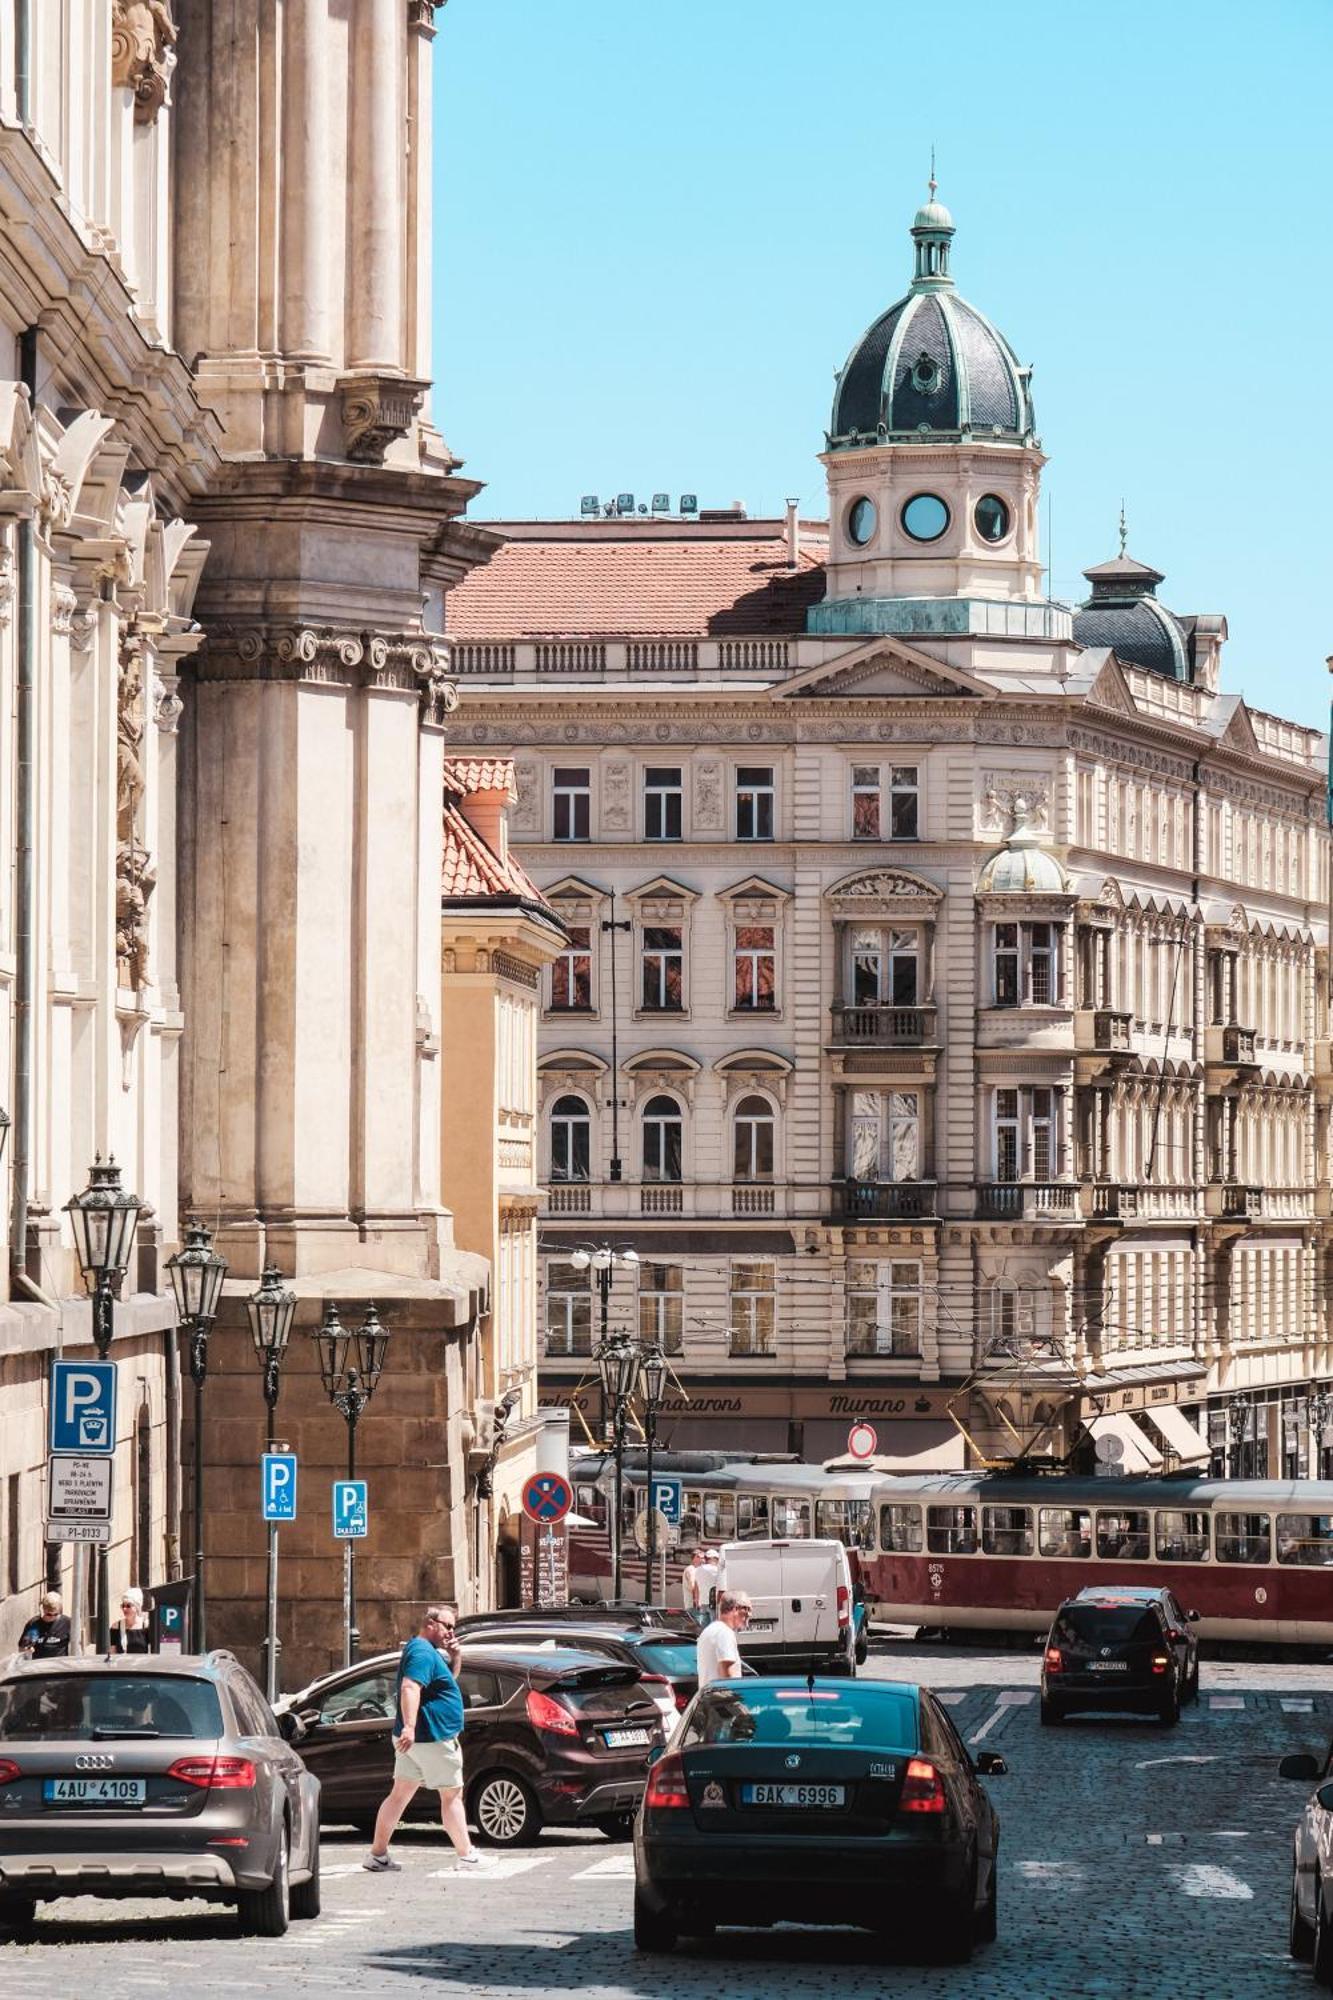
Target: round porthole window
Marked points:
992	517
862	520
925	517
925	374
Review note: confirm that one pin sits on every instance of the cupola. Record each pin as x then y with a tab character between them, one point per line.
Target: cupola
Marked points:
1023	866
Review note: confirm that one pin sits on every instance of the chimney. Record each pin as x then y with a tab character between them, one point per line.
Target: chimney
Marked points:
793	534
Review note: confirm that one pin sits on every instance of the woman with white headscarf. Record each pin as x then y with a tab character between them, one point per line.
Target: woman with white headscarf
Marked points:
131	1634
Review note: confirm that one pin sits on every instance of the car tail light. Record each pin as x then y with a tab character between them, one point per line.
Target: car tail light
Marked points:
215	1774
655	1681
923	1788
1160	1662
666	1785
1055	1660
682	1700
9	1770
552	1716
844	1605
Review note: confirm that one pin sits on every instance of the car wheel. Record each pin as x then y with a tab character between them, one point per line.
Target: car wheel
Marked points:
263	1912
988	1923
862	1646
950	1932
304	1900
1321	1947
616	1826
18	1915
651	1931
1169	1712
505	1811
1050	1713
1300	1936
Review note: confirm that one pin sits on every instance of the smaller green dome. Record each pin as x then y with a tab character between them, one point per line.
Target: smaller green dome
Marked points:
933	215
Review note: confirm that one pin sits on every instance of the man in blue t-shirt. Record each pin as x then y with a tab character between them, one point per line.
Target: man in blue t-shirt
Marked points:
427	1724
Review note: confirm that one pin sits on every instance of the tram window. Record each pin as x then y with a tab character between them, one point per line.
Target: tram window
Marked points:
1123	1537
1181	1537
1006	1531
752	1517
1306	1539
791	1518
720	1517
691	1519
951	1531
850	1522
1066	1532
900	1530
591	1502
1243	1538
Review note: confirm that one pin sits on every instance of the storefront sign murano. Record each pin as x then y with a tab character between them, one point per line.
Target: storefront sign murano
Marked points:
799	1404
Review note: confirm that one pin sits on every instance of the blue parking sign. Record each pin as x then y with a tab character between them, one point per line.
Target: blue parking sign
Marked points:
351	1509
279	1485
83	1408
666	1499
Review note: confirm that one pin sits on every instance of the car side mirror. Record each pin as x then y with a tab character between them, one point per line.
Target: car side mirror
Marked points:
1193	1617
291	1726
1299	1765
1325	1797
990	1764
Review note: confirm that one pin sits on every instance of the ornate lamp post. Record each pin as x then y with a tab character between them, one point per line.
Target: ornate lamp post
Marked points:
271	1311
197	1272
1238	1420
618	1362
350	1366
103	1218
603	1261
653	1373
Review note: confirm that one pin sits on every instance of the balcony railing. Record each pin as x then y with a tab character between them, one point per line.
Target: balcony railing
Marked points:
881	1343
1228	1046
661	1198
884	1027
752	1198
1113	1031
1113	1201
1016	1201
569	1198
614	658
883	1201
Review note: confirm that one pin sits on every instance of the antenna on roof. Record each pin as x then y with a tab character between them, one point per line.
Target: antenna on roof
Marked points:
933	182
1123	537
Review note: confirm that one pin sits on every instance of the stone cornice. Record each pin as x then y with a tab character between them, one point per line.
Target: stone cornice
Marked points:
415	663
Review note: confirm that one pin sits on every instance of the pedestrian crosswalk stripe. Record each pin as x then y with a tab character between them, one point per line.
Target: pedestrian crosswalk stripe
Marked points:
1303	1706
498	1869
618	1866
1226	1701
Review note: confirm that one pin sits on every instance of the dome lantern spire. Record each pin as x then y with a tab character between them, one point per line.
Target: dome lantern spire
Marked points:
932	233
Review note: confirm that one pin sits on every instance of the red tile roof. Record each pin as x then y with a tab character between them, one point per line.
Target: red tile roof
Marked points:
695	584
480	774
471	868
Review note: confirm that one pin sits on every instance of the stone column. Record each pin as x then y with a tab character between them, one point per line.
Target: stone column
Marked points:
305	328
377	190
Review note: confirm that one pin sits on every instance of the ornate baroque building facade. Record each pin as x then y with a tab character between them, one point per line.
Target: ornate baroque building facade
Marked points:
944	1018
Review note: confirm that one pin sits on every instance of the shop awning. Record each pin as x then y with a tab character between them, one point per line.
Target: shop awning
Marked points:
1140	1453
909	1446
1181	1436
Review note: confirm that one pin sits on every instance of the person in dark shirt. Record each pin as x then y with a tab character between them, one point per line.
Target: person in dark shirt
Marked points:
46	1637
131	1634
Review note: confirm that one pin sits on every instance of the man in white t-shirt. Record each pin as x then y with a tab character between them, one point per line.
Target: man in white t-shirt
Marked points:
689	1581
707	1567
719	1649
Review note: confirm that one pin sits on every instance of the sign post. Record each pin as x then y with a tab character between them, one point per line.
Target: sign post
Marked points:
351	1521
278	1494
547	1498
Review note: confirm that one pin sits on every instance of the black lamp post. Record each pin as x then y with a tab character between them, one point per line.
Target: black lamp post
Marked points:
350	1365
1238	1419
618	1365
197	1272
653	1373
602	1262
103	1219
271	1310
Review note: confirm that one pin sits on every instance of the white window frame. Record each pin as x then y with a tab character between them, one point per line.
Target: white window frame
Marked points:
892	1115
893	944
568	1179
1033	1126
755	954
562	1337
568	795
745	1301
904	783
566	956
657	1321
895	1279
866	784
755	795
661	796
755	1175
1032	955
659	1121
663	953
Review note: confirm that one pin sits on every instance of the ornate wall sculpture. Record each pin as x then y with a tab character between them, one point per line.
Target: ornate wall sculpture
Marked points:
143	36
136	876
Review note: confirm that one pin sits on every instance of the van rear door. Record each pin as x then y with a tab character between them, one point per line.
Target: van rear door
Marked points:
757	1570
810	1595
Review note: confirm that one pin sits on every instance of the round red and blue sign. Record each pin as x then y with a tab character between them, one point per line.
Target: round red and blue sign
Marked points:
547	1498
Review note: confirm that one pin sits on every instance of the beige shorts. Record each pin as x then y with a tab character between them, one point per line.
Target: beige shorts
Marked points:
439	1765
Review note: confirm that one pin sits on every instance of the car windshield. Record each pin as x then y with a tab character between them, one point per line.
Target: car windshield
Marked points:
1105	1625
861	1717
678	1659
100	1707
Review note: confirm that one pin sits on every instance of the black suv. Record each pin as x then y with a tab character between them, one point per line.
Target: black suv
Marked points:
1120	1647
549	1736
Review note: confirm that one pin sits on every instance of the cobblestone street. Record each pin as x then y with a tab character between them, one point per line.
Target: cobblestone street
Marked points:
1134	1859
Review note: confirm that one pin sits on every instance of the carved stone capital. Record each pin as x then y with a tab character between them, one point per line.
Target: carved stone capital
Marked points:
167	704
64	604
406	662
143	36
376	411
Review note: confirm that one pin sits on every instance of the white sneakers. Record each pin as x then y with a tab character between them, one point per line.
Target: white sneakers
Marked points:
472	1860
381	1864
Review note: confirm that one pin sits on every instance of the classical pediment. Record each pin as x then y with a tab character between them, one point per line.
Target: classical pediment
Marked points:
882	666
1110	690
882	891
1239	733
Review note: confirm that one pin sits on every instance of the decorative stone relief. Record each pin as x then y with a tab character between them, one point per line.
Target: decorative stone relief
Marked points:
167	704
525	814
6	584
1001	791
143	36
135	874
63	606
708	803
617	798
376	411
407	661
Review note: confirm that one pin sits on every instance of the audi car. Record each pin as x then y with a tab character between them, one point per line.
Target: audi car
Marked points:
142	1776
822	1802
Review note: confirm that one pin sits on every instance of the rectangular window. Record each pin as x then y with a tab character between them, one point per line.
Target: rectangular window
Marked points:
1026	965
1006	1135
851	1522
752	1517
884	1308
754	802
1006	965
571	817
720	1517
1027	1134
1043	964
571	973
900	1530
662	1305
904	803
568	1310
904	968
754	1308
865	802
884	1136
1006	1531
1243	1538
1123	1536
662	803
1065	1532
791	1519
1306	1539
663	969
756	968
951	1531
1183	1537
13	1535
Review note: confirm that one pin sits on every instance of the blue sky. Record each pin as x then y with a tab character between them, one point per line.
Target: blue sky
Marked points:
661	224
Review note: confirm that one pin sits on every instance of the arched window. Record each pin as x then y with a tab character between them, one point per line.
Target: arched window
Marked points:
571	1139
752	1157
663	1135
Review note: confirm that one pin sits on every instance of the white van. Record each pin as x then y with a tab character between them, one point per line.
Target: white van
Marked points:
802	1597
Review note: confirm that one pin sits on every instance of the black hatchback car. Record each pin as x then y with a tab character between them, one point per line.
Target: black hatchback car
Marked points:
667	1661
557	1737
1121	1647
818	1801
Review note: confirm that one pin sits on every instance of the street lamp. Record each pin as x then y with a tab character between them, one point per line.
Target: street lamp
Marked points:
197	1272
653	1372
271	1310
1238	1418
350	1365
603	1261
618	1361
103	1219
